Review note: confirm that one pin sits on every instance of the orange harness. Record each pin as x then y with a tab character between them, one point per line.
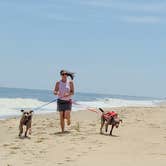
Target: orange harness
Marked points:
110	114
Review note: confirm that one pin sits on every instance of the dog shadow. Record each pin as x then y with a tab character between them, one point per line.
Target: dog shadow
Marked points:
106	134
24	137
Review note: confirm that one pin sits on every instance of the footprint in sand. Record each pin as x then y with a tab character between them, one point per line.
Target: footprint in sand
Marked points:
68	159
39	128
29	163
39	140
16	140
43	151
12	152
71	149
79	155
84	152
152	125
92	124
8	144
51	125
60	163
82	138
90	148
41	132
14	147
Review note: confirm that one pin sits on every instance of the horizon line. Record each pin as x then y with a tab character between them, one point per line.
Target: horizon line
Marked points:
89	93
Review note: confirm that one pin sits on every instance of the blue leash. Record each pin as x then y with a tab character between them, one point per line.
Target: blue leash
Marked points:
37	108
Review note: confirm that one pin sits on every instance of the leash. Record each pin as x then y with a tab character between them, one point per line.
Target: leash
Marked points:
73	102
86	107
37	108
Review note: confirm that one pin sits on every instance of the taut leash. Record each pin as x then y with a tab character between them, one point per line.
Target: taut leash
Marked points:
73	102
37	108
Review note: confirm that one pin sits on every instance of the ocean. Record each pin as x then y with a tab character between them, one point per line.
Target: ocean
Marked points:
12	100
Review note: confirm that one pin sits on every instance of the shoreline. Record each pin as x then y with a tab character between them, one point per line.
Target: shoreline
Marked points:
6	117
139	140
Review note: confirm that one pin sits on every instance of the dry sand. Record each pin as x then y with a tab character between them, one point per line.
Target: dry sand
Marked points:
139	141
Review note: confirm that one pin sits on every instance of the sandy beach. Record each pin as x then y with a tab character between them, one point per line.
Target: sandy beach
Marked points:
140	140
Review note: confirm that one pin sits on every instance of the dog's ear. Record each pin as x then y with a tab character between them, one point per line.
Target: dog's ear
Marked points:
101	110
31	111
22	110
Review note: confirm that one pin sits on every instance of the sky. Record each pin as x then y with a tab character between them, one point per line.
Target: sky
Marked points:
113	46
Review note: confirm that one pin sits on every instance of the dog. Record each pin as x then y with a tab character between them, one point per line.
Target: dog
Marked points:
26	120
109	118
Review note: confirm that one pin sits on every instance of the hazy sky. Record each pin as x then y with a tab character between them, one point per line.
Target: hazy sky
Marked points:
114	46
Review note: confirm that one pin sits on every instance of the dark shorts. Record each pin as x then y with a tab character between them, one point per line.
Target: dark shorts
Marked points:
63	105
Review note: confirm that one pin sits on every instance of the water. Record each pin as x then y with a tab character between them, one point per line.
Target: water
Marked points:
12	100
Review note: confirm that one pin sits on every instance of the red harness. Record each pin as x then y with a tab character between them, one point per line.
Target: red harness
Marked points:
109	114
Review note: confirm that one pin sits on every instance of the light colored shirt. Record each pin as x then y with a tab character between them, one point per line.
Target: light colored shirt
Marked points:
64	87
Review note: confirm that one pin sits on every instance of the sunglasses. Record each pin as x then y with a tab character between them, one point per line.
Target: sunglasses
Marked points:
63	74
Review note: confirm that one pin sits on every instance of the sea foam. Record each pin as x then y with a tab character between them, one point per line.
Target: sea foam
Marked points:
12	106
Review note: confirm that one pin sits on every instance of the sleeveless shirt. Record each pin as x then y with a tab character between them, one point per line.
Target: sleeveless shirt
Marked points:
64	87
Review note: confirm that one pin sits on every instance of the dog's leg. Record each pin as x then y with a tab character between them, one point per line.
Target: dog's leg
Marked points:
111	129
21	130
108	123
26	131
30	130
106	126
102	124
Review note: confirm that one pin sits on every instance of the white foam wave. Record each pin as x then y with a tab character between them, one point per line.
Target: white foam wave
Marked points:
110	103
12	107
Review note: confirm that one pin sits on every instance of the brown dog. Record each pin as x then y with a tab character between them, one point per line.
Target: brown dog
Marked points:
109	118
26	120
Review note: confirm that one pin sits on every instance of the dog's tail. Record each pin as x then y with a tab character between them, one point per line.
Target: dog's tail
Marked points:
101	110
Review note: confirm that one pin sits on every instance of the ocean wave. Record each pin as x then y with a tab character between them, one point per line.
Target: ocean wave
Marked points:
12	107
111	103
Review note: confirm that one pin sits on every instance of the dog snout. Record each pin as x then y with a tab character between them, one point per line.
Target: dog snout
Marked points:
26	115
